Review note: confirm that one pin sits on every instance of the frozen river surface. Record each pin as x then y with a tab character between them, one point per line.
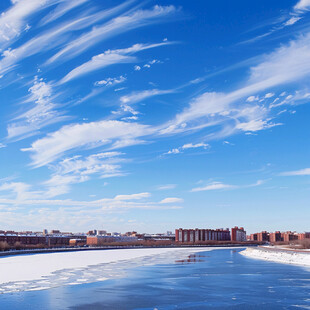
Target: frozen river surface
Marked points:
218	279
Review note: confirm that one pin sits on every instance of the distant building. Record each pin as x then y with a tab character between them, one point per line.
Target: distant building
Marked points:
263	236
304	236
131	234
238	234
13	238
198	235
278	236
91	233
55	231
253	237
275	237
77	242
102	240
289	236
260	237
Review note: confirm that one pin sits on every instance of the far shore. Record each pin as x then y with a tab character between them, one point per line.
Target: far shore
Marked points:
76	249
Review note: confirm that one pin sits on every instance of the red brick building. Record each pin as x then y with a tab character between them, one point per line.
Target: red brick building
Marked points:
275	237
263	236
304	236
238	234
278	236
199	235
289	236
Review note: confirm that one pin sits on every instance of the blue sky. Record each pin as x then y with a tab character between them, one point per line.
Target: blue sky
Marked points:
154	115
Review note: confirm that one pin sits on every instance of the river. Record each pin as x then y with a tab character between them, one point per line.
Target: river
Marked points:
219	279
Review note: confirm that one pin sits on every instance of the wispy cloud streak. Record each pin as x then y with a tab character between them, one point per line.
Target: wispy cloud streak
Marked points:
108	58
114	27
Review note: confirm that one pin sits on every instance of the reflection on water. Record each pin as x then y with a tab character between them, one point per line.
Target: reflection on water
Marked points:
220	279
193	258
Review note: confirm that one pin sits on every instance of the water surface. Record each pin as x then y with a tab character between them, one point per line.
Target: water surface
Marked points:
219	279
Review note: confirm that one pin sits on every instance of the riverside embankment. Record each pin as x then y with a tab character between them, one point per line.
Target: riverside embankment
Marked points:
279	255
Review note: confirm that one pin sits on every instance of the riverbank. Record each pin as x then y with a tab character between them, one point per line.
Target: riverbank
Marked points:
279	255
114	247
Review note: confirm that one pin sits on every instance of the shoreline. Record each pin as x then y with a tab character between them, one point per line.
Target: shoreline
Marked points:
279	255
81	249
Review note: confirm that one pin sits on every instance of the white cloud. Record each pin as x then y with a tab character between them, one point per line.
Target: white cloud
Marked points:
42	113
78	169
299	97
227	143
269	95
111	81
291	18
108	58
118	25
188	146
13	21
252	98
130	118
97	207
305	171
222	186
148	64
138	96
213	186
292	21
154	61
119	89
287	64
20	190
51	38
133	196
44	42
172	200
61	10
194	146
174	151
302	5
87	135
256	125
128	108
166	187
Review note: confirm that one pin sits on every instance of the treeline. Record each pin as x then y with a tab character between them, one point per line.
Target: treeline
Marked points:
172	243
4	246
296	244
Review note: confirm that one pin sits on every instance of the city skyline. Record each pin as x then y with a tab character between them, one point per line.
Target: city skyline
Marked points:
153	116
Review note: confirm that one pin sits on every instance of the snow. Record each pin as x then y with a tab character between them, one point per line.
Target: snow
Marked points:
278	255
43	271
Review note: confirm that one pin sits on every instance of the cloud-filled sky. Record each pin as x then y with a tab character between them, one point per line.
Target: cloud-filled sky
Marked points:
155	115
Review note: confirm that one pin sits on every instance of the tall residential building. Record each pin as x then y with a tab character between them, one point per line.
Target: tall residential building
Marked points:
200	235
238	234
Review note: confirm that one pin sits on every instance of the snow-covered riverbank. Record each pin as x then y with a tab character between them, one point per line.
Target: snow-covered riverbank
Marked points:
278	255
42	271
